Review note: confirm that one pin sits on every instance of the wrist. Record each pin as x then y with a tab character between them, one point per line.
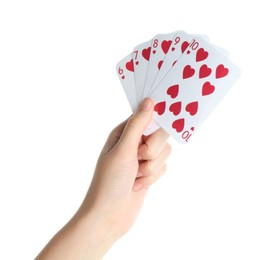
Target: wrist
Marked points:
99	235
85	236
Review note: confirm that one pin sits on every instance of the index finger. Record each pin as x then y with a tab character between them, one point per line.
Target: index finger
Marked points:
152	145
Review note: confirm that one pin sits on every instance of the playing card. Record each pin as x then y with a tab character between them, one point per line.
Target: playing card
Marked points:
125	72
179	44
192	89
141	56
159	48
223	51
176	48
181	39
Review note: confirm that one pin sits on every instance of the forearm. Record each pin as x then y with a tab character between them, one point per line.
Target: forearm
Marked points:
85	236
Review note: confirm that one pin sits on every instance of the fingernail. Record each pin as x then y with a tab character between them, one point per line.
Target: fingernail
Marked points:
146	104
138	186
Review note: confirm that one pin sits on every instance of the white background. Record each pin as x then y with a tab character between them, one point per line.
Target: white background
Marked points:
60	97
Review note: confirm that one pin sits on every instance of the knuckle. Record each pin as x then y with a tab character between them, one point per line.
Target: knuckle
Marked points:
150	152
131	124
147	168
134	121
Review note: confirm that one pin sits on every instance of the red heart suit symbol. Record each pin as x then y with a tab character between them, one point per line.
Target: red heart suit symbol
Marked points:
201	55
188	72
204	71
178	125
160	108
130	65
146	53
192	108
175	108
165	45
221	71
160	64
207	88
173	91
184	46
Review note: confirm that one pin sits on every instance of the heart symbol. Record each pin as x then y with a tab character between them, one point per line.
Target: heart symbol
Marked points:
173	49
178	125
146	53
204	71
173	91
160	107
154	52
201	54
192	108
221	71
175	108
137	62
130	65
165	45
188	52
188	72
192	128
123	77
207	88
160	64
184	46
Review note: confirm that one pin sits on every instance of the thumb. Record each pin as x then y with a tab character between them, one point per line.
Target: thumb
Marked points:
136	125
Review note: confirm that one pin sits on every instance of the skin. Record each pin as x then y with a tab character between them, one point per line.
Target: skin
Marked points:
127	166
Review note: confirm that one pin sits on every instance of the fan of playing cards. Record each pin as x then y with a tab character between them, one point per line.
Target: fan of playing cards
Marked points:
183	74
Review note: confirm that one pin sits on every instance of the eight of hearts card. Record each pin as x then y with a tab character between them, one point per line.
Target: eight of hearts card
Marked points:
183	74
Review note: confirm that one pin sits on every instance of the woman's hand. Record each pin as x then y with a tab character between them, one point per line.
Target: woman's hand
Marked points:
127	166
